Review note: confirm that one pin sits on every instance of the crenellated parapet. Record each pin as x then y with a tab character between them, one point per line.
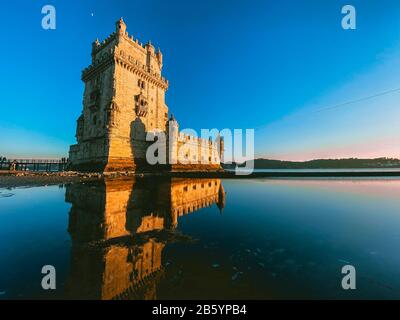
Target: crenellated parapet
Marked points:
183	137
136	67
127	62
109	51
190	195
97	46
98	65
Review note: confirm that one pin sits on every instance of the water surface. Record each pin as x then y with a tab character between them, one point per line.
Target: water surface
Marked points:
202	238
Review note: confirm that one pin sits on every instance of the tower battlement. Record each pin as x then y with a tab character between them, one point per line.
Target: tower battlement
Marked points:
127	51
123	100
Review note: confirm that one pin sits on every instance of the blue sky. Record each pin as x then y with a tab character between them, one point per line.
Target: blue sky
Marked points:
269	65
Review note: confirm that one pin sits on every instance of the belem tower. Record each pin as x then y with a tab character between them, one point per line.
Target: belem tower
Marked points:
123	101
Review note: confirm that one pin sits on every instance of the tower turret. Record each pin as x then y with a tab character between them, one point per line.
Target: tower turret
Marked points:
120	26
221	146
159	58
221	198
172	121
95	46
172	134
150	48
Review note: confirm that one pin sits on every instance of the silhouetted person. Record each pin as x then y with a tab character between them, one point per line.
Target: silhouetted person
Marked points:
13	165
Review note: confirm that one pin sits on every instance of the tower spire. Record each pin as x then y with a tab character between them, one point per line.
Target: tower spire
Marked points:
120	26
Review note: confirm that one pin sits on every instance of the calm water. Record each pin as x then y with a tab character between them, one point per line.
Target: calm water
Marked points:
202	238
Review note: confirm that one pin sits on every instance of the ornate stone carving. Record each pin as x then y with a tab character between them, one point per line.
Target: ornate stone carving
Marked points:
111	114
141	105
80	128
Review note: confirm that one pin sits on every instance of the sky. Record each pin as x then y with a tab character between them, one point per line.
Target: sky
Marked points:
286	68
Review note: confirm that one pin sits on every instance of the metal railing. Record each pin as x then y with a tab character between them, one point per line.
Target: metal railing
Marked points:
45	165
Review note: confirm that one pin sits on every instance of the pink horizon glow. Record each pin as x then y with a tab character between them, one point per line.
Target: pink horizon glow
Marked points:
378	148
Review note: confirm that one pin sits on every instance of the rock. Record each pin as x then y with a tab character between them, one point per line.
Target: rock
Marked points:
235	276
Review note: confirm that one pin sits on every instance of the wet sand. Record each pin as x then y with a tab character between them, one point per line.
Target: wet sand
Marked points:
23	178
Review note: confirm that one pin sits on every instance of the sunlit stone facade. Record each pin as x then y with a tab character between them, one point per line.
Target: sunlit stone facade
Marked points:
123	100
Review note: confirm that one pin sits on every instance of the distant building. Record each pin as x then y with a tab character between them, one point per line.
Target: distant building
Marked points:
124	99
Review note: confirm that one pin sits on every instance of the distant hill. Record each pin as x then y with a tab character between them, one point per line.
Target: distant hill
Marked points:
349	163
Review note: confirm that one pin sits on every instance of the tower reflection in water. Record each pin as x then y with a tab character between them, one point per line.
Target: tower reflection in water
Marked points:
119	228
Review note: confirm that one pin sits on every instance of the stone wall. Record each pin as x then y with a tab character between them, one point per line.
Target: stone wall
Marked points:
123	100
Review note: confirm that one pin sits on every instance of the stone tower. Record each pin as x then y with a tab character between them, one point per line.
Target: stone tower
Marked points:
123	101
124	97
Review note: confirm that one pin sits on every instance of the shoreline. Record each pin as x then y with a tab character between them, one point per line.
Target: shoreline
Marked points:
30	179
